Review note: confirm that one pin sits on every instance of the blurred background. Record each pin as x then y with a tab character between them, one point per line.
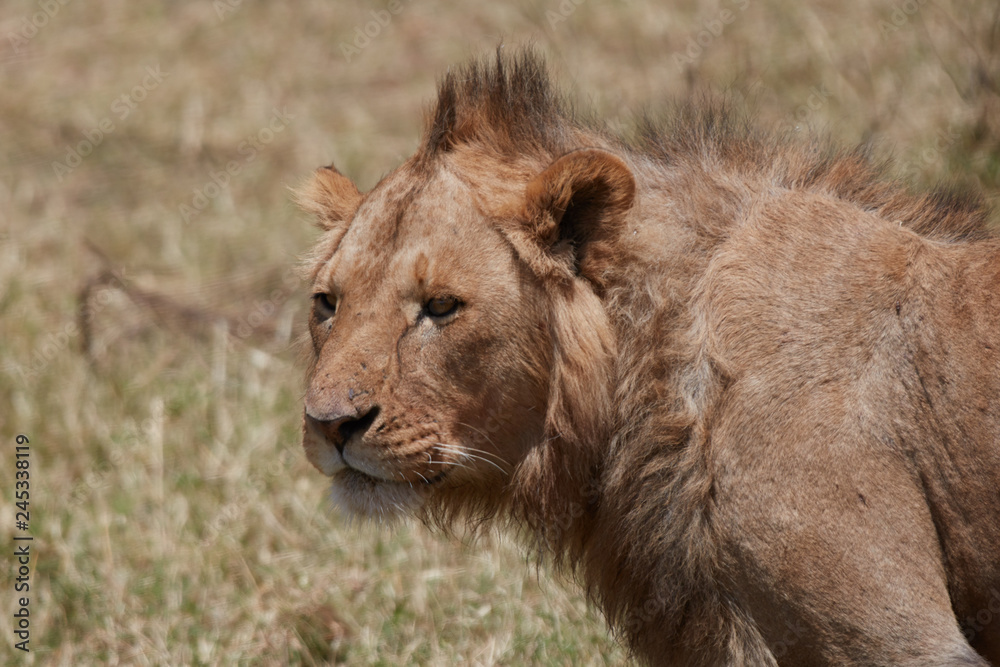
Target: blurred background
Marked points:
149	308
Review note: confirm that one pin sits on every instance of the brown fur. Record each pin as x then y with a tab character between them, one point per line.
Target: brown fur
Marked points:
746	388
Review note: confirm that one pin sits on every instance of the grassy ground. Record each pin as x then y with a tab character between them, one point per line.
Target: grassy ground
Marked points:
175	520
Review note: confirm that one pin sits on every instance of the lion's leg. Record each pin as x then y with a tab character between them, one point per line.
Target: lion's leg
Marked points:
830	546
840	595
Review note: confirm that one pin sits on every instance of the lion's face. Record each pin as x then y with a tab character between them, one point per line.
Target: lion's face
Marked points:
429	373
461	351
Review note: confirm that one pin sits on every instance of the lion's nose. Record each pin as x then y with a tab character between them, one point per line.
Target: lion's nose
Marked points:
349	427
339	428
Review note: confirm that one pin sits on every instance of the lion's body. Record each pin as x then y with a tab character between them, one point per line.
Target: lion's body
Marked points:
748	390
844	373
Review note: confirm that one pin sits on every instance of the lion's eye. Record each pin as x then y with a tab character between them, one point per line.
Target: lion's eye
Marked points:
326	305
442	306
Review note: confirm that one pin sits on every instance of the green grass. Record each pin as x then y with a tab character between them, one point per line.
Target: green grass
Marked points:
175	518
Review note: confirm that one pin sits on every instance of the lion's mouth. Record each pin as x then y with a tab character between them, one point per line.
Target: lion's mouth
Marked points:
364	477
436	478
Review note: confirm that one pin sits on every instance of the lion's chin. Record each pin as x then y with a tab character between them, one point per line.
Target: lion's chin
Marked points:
362	496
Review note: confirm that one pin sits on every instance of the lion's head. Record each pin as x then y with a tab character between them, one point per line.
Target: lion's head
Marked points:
460	347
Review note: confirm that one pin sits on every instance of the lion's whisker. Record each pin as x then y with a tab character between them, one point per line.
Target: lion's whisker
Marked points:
462	452
481	451
457	464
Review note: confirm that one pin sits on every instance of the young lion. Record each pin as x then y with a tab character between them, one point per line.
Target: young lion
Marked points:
746	389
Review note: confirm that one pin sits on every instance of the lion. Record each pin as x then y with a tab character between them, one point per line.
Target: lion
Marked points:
743	386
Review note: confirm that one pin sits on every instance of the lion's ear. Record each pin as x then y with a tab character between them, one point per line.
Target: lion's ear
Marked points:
330	196
578	204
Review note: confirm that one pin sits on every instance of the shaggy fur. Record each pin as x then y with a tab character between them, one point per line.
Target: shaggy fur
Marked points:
745	387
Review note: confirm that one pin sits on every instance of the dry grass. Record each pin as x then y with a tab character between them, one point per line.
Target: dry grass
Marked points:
175	518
